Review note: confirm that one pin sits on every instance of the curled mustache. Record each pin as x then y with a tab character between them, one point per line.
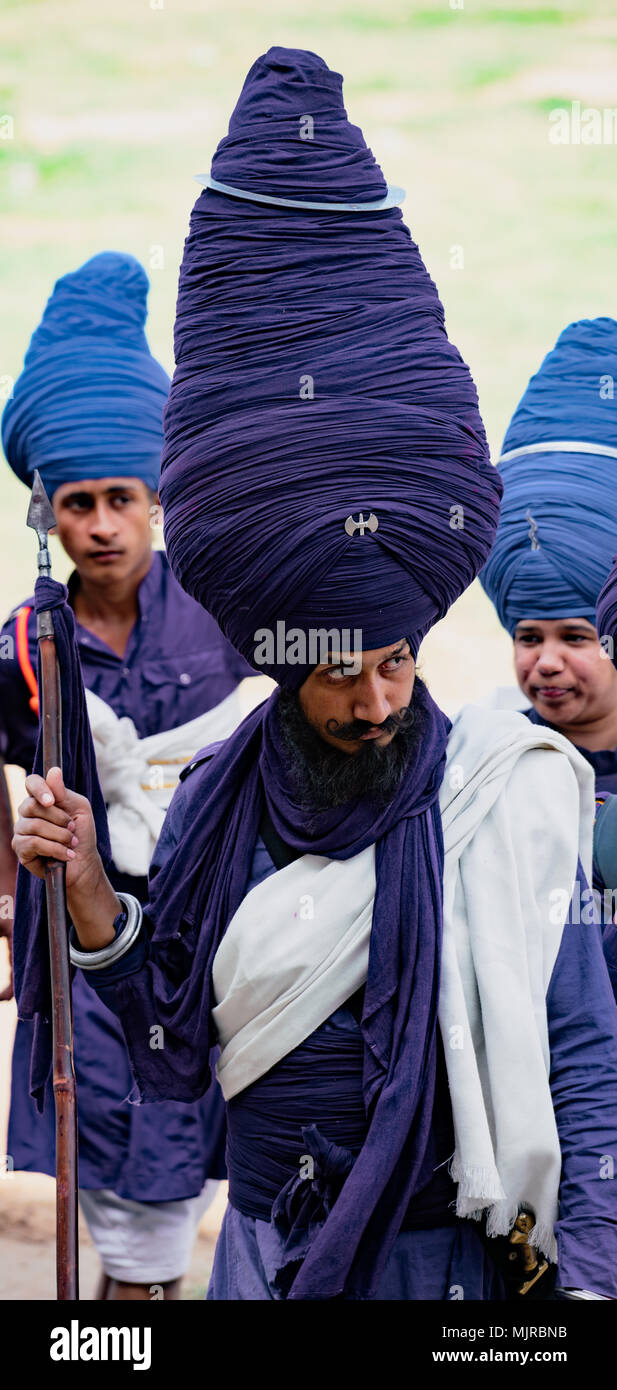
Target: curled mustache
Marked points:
348	733
325	776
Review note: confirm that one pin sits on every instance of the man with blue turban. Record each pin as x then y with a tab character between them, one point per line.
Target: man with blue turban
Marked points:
554	547
556	539
347	893
87	411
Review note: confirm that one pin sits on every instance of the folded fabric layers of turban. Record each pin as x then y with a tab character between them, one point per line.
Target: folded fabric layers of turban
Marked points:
558	529
89	401
315	385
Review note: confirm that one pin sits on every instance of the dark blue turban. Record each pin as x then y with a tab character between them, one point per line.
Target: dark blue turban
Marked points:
89	402
558	529
315	385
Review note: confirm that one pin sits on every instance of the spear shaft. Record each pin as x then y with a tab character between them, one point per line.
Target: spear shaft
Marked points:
41	518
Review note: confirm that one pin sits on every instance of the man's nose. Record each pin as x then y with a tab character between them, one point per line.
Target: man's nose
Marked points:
550	658
370	701
103	522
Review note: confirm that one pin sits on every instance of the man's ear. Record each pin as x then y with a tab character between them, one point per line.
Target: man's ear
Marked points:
155	509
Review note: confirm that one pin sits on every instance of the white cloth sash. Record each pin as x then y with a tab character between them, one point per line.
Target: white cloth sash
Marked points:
138	776
294	951
515	821
517	805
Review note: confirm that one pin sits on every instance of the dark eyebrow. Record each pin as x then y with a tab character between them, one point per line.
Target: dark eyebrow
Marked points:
80	495
570	625
397	650
332	665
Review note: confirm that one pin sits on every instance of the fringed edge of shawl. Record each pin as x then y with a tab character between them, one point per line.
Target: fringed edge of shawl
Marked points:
480	1193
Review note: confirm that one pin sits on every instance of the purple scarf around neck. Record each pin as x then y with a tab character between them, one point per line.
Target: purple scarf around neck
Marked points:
201	885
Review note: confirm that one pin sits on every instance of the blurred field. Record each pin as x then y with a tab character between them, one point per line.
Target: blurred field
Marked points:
116	106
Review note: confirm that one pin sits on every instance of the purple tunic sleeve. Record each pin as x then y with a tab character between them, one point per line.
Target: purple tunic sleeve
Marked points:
109	983
609	942
583	1041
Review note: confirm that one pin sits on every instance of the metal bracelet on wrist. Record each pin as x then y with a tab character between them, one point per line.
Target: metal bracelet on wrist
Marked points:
98	960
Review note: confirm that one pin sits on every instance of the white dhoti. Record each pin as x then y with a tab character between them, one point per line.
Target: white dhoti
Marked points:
144	1242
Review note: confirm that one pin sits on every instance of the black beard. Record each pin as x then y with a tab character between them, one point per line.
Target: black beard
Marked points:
324	776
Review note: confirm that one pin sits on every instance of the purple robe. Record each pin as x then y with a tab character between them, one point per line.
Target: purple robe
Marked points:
177	665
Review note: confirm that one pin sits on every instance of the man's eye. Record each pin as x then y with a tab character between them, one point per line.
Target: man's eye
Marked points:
122	500
393	662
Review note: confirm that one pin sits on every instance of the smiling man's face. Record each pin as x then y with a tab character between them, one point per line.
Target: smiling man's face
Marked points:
350	709
562	668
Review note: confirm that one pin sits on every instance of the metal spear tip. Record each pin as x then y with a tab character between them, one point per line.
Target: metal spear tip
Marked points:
40	512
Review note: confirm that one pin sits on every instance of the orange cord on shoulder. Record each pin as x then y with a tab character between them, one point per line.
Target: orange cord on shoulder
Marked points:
23	657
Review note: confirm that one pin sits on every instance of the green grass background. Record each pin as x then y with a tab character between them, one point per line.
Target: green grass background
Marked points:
116	104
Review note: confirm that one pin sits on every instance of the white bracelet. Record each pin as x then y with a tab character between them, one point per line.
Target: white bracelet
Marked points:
98	960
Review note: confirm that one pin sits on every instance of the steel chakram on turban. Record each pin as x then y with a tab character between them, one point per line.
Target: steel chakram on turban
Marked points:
89	401
558	530
325	463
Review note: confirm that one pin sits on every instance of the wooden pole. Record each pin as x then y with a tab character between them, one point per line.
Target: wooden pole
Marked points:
41	519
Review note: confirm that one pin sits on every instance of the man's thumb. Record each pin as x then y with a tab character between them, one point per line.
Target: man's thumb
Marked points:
55	782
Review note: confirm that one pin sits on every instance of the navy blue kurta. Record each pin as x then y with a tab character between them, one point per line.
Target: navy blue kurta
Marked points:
603	761
176	666
604	764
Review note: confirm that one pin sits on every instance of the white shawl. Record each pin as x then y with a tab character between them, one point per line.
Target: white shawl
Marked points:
515	822
138	776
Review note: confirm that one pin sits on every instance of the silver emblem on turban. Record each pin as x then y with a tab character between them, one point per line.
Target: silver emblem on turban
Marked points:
351	525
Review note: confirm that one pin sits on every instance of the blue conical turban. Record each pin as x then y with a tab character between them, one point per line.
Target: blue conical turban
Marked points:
325	463
89	401
558	528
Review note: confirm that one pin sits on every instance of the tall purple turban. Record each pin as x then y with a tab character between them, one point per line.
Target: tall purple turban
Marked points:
89	401
325	463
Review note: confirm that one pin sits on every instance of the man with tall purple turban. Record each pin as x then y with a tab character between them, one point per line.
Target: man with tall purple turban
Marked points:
347	893
87	411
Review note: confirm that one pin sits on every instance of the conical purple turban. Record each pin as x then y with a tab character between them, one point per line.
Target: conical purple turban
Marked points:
325	463
89	401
